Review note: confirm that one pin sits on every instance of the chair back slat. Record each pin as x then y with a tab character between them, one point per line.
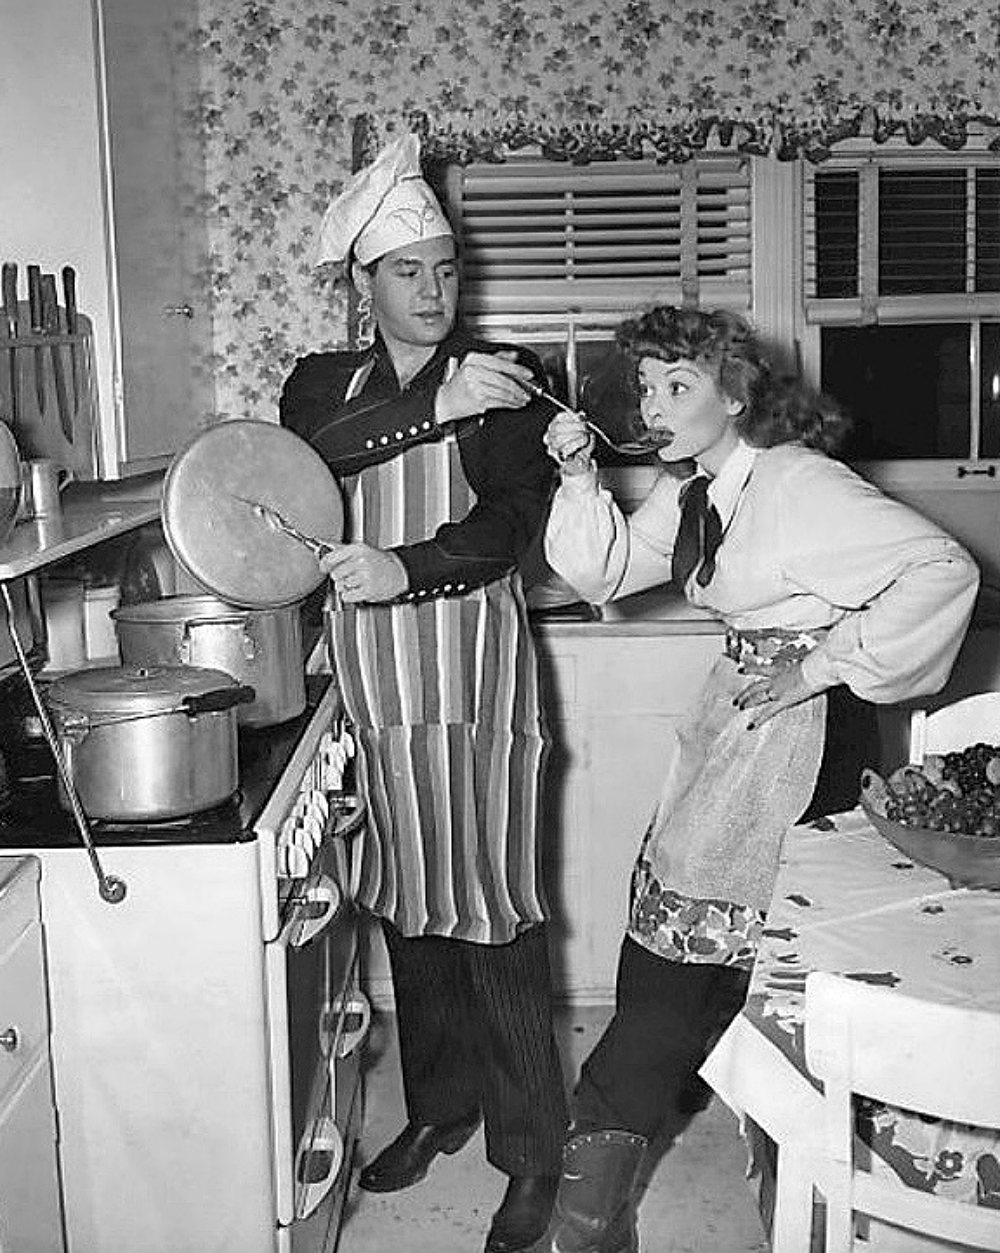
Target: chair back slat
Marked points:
932	1059
953	727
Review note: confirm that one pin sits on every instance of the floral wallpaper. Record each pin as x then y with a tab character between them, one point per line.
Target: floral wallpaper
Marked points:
282	82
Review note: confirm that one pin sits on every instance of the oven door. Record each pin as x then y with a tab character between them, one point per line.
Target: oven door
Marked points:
319	1017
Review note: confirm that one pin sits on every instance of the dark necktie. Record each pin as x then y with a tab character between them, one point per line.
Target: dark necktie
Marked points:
698	535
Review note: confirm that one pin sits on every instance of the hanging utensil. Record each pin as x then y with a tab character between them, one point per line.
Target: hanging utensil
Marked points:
13	321
110	888
50	321
640	447
72	328
37	328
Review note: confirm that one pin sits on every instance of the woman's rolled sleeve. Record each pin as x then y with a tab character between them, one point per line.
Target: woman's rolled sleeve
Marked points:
906	587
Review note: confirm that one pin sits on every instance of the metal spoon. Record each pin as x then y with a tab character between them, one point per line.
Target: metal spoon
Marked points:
640	447
277	522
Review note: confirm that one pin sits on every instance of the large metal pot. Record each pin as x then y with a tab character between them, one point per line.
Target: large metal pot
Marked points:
145	744
260	647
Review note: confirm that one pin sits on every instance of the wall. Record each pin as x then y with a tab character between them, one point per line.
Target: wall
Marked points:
284	79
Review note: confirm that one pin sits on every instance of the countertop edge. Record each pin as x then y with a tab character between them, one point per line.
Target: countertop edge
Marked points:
91	512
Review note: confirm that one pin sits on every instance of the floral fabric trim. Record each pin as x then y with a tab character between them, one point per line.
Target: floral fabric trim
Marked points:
689	929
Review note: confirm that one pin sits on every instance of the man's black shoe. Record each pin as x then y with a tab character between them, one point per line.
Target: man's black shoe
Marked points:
524	1213
408	1158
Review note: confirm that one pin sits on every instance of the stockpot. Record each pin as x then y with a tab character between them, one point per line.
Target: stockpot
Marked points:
145	744
259	647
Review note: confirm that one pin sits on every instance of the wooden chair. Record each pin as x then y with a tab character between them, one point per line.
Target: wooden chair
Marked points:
929	1058
954	726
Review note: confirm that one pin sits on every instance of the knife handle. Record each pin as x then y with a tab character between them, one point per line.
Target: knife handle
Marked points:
35	299
69	296
9	288
50	305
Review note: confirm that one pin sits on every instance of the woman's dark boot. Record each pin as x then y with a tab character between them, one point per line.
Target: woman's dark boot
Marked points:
595	1205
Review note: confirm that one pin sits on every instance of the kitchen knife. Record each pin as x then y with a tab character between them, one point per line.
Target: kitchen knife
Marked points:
37	327
12	318
50	322
72	328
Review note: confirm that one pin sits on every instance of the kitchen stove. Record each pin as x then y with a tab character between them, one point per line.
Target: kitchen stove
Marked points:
32	808
207	1030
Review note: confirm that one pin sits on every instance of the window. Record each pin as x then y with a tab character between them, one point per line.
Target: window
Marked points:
555	255
901	275
545	236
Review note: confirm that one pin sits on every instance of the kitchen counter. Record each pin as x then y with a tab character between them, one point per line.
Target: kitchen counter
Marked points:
657	611
91	512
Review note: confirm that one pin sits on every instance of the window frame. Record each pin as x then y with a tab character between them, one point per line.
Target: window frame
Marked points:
812	313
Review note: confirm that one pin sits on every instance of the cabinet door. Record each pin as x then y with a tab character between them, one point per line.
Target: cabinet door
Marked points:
29	1196
614	702
157	231
98	172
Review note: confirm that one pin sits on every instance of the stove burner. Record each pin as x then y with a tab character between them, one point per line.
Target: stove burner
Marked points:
229	808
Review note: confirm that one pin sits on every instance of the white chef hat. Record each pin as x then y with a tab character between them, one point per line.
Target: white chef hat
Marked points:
386	205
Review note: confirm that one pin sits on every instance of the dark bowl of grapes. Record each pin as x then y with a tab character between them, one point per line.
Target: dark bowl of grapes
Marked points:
943	813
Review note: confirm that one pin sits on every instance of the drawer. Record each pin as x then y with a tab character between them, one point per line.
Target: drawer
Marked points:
23	1016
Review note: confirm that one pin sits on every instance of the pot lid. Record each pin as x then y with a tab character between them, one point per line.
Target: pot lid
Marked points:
211	526
134	689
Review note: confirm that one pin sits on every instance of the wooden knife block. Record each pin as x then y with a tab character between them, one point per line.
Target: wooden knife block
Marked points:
28	367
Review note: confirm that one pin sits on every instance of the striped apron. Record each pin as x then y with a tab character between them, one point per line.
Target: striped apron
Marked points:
443	695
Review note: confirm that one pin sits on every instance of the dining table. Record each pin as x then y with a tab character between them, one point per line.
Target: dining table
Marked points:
848	901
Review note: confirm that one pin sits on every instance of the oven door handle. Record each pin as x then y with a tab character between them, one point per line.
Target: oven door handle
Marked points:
312	911
349	1006
321	1141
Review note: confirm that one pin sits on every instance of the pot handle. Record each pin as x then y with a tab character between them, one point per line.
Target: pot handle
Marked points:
218	701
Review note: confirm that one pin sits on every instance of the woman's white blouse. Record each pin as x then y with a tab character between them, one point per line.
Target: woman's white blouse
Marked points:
807	544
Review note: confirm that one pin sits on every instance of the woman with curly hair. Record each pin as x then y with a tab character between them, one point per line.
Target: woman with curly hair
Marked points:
835	599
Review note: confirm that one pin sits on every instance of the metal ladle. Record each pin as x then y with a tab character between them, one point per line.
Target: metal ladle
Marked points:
110	887
640	447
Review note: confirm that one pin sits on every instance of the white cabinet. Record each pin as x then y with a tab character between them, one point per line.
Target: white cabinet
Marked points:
30	1212
613	696
99	173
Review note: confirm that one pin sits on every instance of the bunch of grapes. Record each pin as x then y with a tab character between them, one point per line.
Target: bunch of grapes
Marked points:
958	792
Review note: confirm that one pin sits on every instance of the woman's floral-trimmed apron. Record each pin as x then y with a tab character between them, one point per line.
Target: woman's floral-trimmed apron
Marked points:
705	872
443	695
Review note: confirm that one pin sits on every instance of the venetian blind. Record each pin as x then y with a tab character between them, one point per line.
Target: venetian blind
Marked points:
543	236
891	240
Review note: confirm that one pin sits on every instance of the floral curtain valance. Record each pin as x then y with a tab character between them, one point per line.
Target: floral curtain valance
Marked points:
594	79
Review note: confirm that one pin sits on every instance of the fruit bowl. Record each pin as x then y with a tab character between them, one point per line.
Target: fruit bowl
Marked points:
969	861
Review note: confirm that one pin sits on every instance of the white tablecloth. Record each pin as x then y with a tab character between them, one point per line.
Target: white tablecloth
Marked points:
847	901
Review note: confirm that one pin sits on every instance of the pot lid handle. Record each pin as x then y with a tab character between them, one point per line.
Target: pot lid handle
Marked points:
218	701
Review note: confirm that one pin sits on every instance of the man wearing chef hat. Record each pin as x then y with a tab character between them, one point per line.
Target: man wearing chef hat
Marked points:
437	445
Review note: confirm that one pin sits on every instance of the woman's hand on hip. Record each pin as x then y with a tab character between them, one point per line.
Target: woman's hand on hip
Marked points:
362	573
768	694
569	442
